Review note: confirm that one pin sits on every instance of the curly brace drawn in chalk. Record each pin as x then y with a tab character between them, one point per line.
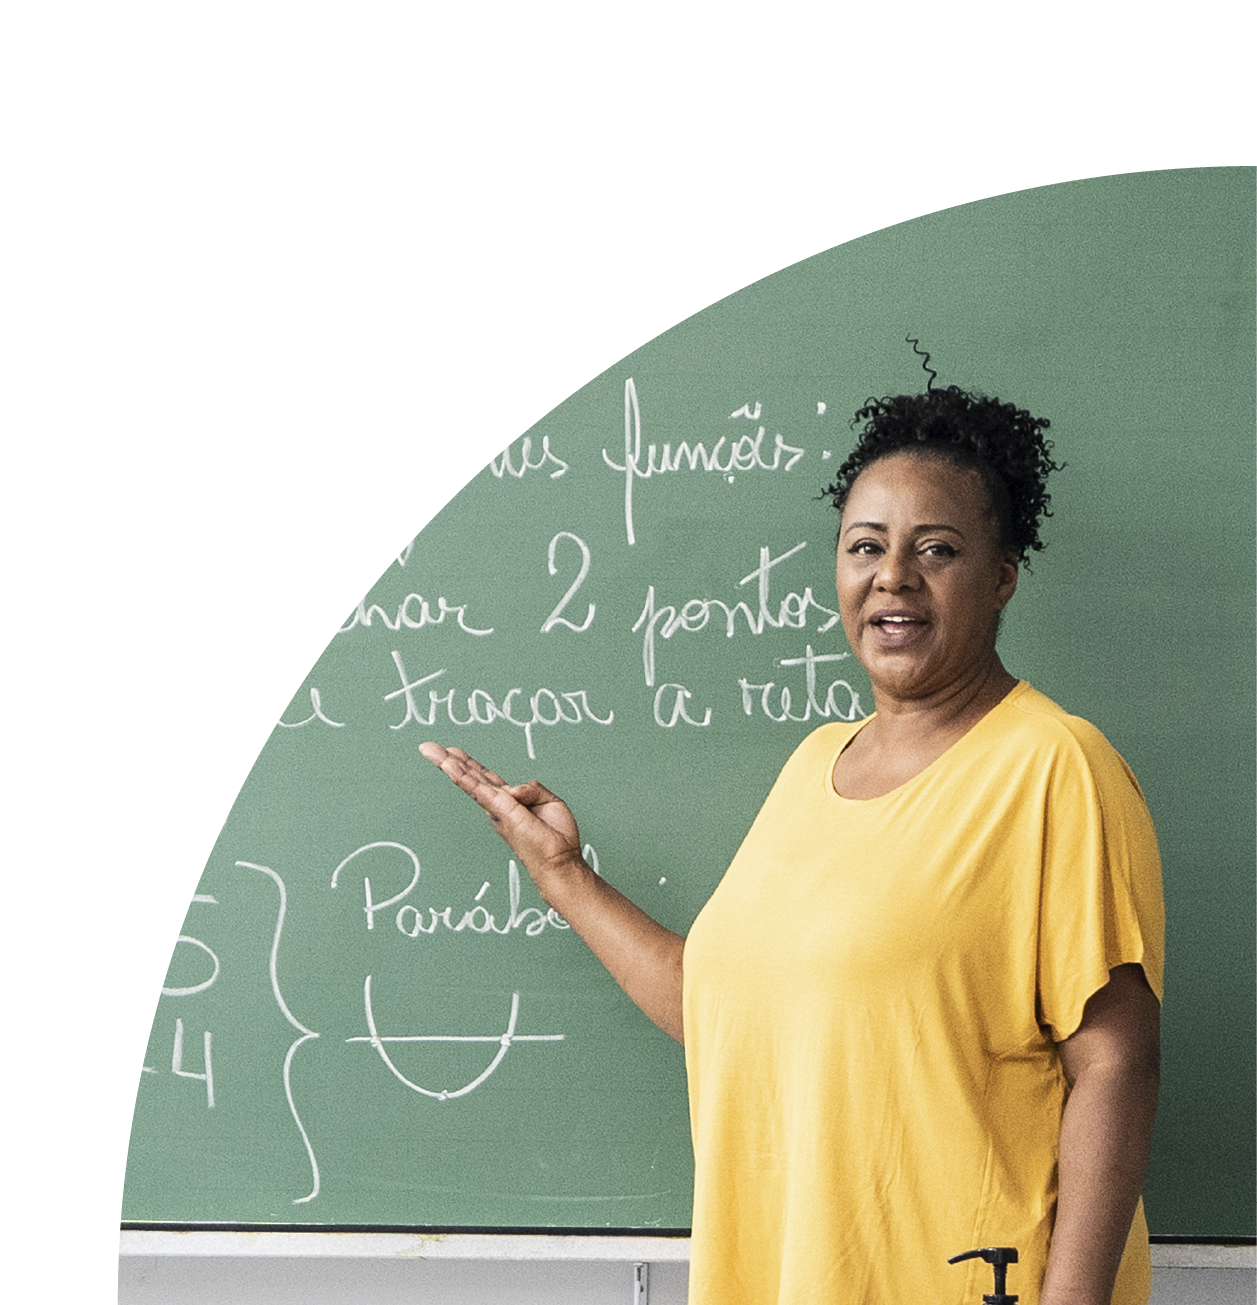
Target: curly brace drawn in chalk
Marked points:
306	1034
504	1040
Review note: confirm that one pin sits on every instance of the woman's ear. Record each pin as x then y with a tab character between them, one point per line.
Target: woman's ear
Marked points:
1009	572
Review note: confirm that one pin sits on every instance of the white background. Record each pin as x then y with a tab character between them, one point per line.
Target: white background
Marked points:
276	279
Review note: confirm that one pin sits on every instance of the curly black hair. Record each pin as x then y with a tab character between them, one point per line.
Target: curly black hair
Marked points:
1004	444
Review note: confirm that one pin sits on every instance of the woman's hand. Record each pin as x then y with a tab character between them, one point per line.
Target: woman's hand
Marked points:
538	827
641	955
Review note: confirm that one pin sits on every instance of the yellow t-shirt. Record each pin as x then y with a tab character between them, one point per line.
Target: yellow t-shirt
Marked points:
872	996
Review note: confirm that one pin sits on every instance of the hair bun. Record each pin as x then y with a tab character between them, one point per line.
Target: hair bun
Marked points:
1000	441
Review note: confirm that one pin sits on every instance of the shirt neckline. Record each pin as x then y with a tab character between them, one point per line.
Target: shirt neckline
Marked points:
1015	692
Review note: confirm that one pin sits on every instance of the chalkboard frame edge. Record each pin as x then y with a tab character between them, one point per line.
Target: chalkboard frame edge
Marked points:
419	1230
483	1230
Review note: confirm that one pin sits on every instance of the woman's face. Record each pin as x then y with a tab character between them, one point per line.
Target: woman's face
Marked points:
921	578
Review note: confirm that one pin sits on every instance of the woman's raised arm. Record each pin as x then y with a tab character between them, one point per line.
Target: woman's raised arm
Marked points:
641	955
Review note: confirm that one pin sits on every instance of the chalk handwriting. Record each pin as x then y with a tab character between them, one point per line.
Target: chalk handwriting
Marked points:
413	921
547	708
503	465
196	987
306	1034
746	453
372	906
413	613
404	556
587	851
791	612
479	919
680	696
176	1063
555	618
206	900
505	1041
745	411
316	702
841	701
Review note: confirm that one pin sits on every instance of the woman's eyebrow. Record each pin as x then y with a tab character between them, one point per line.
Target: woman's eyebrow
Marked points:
921	529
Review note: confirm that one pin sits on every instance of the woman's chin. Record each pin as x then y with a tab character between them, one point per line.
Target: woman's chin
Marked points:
899	673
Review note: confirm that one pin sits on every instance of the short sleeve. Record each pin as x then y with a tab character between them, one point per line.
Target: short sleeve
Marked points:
1100	900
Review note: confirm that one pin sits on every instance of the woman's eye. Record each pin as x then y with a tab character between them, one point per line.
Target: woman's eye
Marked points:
863	548
939	550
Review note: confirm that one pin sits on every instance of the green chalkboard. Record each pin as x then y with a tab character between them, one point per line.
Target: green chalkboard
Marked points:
370	1020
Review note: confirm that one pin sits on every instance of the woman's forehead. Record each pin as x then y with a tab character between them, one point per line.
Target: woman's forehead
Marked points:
909	483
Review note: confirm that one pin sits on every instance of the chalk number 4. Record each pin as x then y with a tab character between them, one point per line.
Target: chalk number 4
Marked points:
556	617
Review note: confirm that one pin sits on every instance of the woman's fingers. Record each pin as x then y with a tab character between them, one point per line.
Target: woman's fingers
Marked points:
540	823
531	794
459	766
487	787
499	799
491	775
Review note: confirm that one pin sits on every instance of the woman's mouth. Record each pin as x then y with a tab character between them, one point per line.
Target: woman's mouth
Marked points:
895	628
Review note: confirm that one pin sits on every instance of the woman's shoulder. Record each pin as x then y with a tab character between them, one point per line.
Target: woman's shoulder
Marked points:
1035	711
831	736
821	747
1033	715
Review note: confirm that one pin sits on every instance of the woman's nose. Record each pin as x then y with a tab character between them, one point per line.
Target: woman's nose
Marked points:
897	571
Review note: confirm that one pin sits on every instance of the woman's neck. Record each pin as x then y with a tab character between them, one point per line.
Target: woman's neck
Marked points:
952	711
905	737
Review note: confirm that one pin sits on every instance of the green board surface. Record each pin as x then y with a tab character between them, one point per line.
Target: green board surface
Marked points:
369	1018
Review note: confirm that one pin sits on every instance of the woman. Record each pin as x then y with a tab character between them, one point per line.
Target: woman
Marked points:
921	1009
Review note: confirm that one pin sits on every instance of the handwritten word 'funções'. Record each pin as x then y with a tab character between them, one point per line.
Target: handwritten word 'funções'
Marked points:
413	920
746	453
544	707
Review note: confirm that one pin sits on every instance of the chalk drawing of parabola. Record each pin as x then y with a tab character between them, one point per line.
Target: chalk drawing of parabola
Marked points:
504	1041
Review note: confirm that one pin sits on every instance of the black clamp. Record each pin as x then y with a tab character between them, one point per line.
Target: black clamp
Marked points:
999	1257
